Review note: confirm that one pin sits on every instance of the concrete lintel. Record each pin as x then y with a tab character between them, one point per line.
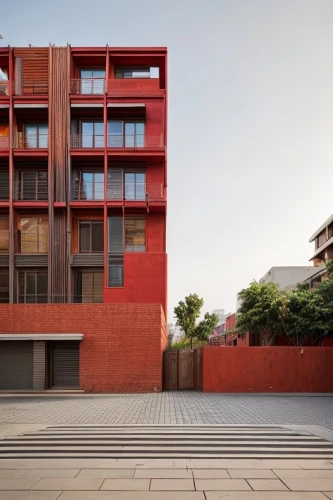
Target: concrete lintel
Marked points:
41	336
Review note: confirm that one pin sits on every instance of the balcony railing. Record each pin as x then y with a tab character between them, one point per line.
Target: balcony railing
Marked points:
88	191
43	298
117	141
4	142
87	141
31	190
136	141
35	87
133	87
4	87
87	86
31	141
135	191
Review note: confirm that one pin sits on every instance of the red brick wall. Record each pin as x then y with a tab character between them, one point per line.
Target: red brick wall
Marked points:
121	350
268	369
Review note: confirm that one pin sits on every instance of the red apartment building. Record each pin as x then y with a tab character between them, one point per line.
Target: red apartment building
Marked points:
83	135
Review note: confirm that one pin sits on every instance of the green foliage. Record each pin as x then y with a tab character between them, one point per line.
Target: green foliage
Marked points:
185	343
304	315
261	310
187	313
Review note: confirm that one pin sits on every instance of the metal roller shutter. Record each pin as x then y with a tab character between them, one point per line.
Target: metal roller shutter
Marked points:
16	365
65	365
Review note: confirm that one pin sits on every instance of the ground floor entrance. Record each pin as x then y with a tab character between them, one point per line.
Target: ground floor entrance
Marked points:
46	363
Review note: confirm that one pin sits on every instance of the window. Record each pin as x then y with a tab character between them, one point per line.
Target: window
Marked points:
4	286
88	185
115	250
89	287
92	81
4	235
33	234
4	184
35	136
322	238
91	237
116	271
32	287
143	72
32	185
126	134
92	134
135	186
135	235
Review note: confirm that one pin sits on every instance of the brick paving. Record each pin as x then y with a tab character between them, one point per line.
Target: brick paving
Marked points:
168	408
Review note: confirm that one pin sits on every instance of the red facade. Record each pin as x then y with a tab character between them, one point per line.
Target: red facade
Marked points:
83	136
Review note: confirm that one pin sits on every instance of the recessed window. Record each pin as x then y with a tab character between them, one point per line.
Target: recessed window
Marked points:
135	235
32	185
32	287
33	235
35	136
4	235
92	81
4	183
123	134
4	286
88	185
91	236
138	72
92	134
89	287
135	186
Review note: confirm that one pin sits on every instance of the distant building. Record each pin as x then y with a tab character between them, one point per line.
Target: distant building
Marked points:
289	276
323	239
221	314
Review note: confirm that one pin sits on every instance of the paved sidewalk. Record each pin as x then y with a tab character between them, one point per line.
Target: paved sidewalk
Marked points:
79	479
168	408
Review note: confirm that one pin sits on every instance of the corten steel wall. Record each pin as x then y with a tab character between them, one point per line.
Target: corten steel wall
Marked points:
144	280
267	369
122	346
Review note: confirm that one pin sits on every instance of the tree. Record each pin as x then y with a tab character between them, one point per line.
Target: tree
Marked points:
187	313
261	311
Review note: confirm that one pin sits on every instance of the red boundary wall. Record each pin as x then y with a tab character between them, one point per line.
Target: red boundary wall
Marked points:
122	346
268	369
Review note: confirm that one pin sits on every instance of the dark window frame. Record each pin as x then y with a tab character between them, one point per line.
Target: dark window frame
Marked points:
22	297
39	188
91	224
78	284
4	290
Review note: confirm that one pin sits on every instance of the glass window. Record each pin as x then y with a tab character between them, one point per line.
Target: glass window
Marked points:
137	72
92	81
36	136
92	134
115	134
89	287
88	186
4	235
33	235
91	236
135	186
135	235
4	286
32	287
32	185
4	184
116	271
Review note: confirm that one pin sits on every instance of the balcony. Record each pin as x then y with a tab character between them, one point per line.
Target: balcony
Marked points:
4	88
31	88
87	86
137	141
88	190
31	141
133	87
79	141
32	190
135	192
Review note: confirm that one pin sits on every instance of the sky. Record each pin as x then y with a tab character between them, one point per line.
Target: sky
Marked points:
250	156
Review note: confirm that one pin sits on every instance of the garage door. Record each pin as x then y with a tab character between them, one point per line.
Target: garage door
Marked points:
16	365
65	365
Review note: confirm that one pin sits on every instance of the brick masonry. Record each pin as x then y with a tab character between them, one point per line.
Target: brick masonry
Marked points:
122	347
